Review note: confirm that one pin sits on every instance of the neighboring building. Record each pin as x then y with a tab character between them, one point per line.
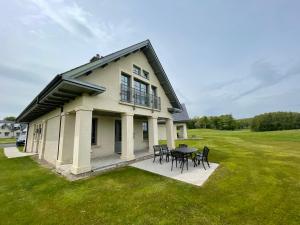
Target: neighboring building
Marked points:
10	129
180	127
105	107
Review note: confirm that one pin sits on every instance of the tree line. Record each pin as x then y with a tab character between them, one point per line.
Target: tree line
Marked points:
263	122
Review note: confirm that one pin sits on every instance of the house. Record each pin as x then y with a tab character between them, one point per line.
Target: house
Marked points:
180	127
9	129
109	106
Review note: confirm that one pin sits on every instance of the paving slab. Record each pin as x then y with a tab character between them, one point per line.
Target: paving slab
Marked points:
194	175
13	152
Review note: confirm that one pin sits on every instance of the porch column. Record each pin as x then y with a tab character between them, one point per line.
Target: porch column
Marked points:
170	133
82	140
185	131
153	132
43	140
127	137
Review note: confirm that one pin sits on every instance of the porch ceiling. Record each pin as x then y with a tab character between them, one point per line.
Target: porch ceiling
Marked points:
58	92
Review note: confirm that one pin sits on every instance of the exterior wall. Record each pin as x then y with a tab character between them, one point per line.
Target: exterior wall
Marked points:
51	142
105	136
110	78
139	142
181	133
162	132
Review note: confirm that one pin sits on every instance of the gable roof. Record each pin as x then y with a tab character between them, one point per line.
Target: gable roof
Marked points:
47	99
182	116
148	50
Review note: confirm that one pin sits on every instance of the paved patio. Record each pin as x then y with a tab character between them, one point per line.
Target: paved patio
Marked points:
13	152
195	175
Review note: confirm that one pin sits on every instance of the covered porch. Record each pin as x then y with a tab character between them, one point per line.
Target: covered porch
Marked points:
113	139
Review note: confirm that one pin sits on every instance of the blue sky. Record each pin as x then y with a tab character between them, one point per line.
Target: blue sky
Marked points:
237	57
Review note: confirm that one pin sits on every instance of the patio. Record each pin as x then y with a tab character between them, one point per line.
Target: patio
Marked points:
194	175
102	164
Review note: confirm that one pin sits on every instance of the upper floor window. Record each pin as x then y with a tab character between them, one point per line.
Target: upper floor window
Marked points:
125	80
145	74
154	90
136	70
125	88
141	93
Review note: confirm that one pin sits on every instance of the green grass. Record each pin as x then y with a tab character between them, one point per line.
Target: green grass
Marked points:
7	140
258	182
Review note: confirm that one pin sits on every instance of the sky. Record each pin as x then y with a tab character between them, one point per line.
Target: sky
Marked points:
222	57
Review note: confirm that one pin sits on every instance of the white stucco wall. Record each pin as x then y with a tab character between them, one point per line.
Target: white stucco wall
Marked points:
109	101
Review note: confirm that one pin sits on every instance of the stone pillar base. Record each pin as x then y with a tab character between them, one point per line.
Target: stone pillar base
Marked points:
77	170
127	157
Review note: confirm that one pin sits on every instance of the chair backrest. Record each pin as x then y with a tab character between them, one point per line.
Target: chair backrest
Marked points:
205	151
183	146
156	148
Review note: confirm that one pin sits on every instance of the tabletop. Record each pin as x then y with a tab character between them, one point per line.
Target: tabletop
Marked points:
185	150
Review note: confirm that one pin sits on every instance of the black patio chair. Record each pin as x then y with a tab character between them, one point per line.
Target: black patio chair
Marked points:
181	158
203	157
166	151
157	153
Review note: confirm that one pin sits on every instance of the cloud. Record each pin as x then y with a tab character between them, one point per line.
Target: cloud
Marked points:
72	18
267	75
14	72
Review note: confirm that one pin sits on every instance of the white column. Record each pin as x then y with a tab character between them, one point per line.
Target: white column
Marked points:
43	140
170	133
185	136
62	140
153	132
127	137
82	141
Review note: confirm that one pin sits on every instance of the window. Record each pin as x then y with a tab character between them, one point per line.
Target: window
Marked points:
125	88
154	91
94	131
6	134
141	93
145	74
145	130
136	70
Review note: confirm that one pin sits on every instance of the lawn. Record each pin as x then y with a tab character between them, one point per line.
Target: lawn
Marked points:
258	182
7	140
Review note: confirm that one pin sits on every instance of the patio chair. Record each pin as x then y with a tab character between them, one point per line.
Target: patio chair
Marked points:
203	157
183	145
157	153
177	156
166	151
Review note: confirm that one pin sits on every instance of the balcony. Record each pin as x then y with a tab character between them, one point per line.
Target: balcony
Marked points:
136	97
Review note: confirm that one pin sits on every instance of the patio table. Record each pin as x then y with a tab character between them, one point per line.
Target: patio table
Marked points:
186	151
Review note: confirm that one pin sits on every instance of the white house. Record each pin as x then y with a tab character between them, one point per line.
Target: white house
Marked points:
180	120
9	129
105	107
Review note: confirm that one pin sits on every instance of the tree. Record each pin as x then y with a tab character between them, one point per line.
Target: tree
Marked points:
10	118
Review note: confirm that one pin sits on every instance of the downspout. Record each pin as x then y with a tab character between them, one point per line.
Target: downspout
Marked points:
61	110
26	137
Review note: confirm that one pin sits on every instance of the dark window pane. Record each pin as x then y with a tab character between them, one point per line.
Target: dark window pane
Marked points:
94	131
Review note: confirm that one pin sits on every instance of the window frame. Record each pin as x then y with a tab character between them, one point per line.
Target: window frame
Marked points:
145	131
138	69
94	131
145	74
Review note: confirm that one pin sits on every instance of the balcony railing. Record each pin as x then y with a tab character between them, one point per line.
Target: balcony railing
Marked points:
137	97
